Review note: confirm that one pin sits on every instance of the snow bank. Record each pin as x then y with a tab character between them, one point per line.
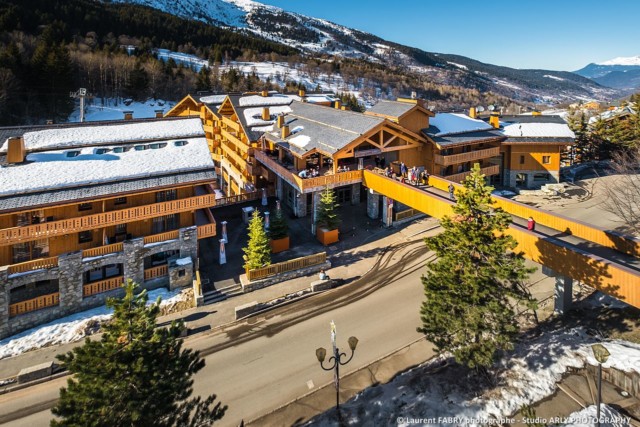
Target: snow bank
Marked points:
527	376
586	417
74	327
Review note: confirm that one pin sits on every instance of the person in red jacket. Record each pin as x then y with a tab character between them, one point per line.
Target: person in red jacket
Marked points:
531	224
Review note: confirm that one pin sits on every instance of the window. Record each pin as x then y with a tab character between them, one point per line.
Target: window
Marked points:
165	196
102	150
157	145
74	153
28	251
121	229
541	177
85	236
120	201
522	160
546	160
180	143
101	273
165	223
121	149
182	273
85	206
140	147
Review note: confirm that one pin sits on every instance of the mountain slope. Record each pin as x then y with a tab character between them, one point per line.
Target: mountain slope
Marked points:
320	37
620	73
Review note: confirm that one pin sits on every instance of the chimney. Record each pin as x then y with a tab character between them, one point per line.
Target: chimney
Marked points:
494	120
536	113
472	113
265	113
280	121
15	149
301	93
159	114
49	121
265	93
337	105
285	131
128	115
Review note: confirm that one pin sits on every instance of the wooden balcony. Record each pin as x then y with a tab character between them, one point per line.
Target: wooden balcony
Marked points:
155	272
253	169
237	142
459	177
309	184
36	264
233	172
43	230
216	157
34	304
466	157
228	152
102	286
208	230
103	250
230	123
161	237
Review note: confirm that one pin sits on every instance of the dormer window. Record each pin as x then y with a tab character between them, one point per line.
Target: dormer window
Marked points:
121	149
102	150
74	153
140	147
157	145
181	143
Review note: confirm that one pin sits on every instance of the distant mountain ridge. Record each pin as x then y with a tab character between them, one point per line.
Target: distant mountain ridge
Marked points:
319	37
620	73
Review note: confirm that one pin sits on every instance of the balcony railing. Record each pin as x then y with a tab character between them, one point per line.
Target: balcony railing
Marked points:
466	157
36	264
34	304
155	272
282	267
102	286
233	125
208	230
232	154
309	184
237	142
103	250
13	235
233	172
488	171
161	237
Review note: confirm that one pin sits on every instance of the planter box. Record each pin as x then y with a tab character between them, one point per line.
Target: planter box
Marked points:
279	245
327	237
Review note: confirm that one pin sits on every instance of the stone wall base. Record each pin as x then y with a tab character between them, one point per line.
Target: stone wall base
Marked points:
259	284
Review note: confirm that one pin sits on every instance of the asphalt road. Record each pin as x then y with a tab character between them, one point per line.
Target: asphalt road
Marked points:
264	362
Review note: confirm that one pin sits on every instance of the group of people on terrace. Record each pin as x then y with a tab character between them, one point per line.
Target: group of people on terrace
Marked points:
413	175
309	173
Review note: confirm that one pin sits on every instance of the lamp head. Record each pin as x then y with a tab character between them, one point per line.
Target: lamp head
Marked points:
600	352
321	353
353	343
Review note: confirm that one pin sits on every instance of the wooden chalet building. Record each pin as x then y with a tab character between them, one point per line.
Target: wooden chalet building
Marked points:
84	206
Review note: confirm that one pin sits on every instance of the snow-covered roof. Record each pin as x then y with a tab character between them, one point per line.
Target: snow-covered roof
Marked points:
213	99
452	123
534	130
253	116
74	136
56	169
257	100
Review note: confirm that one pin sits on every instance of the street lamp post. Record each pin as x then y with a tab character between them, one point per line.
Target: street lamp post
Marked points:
601	354
337	360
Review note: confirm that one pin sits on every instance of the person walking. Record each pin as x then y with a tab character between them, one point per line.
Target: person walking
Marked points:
426	178
451	190
403	170
531	224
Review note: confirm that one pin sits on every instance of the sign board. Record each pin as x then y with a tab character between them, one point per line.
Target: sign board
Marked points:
365	153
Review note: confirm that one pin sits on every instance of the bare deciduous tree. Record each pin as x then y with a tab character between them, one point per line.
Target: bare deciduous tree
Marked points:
622	193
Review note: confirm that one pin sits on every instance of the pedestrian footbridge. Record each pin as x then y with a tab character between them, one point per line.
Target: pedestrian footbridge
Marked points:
603	259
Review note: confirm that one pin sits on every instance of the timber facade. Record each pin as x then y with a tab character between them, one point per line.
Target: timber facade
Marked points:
84	207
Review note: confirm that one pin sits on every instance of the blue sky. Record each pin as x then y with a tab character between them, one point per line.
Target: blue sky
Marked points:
555	35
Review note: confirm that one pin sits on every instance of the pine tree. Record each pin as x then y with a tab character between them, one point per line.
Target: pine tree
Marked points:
257	254
278	229
327	215
203	81
473	287
136	375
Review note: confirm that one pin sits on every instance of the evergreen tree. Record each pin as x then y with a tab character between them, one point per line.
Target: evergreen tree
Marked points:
327	215
257	254
473	287
203	82
136	375
278	229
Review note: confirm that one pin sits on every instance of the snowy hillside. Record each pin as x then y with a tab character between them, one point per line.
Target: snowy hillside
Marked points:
620	73
315	36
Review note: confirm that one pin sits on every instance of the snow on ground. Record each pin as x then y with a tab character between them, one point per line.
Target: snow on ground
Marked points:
464	67
111	109
549	76
527	376
74	327
586	417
